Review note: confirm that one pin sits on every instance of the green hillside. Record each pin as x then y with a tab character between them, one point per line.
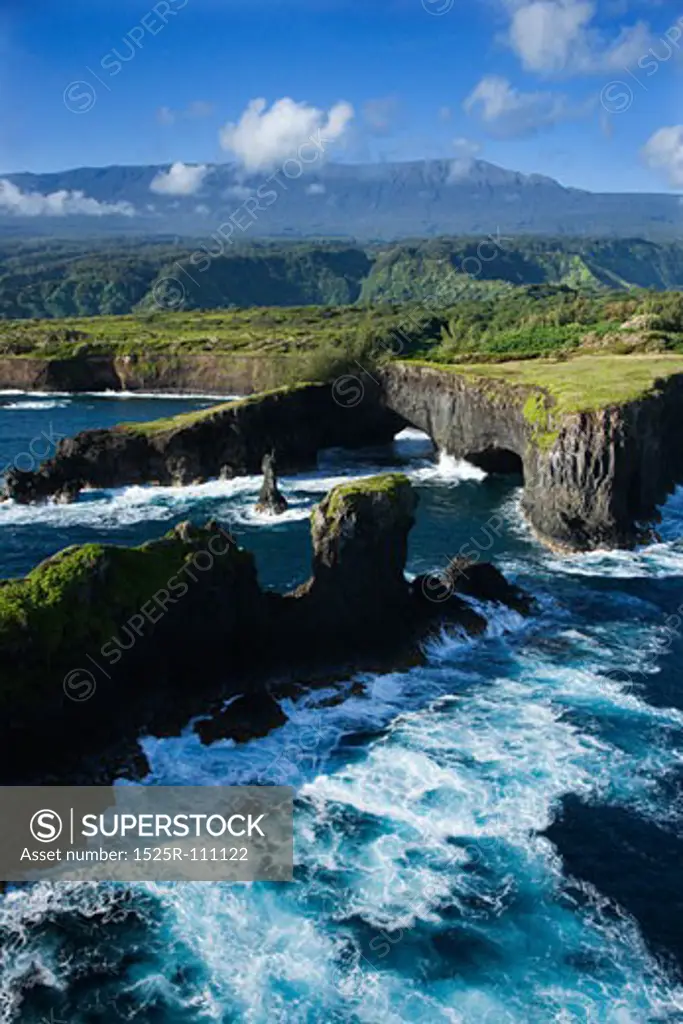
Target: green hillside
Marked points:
63	279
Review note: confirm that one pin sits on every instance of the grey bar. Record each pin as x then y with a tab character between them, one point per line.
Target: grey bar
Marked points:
146	833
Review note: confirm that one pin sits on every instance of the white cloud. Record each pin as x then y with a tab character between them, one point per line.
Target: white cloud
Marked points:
507	113
466	147
461	167
180	180
263	138
664	152
57	204
316	190
239	192
556	36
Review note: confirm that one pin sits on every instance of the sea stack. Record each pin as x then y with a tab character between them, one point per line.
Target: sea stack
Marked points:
271	501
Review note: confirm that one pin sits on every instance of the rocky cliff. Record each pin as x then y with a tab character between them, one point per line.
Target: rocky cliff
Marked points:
100	644
601	483
293	423
202	373
591	479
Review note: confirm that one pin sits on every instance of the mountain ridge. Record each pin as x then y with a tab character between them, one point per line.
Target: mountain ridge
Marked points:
381	201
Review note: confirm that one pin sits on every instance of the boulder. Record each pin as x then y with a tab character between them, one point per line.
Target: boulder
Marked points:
248	717
484	582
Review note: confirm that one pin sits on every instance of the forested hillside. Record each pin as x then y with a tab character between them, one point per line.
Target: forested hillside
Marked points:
64	279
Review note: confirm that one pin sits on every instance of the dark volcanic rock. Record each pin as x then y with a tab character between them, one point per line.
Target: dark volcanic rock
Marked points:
485	582
249	717
270	500
479	580
358	597
294	423
595	480
101	644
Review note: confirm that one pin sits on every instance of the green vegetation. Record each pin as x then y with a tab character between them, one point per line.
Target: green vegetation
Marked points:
391	485
188	419
80	598
320	342
551	388
583	383
558	317
538	414
295	332
59	279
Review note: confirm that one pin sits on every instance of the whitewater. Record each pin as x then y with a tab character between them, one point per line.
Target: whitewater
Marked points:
439	810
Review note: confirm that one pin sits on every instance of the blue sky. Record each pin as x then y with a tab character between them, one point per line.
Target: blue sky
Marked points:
588	92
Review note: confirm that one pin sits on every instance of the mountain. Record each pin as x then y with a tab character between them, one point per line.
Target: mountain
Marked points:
381	201
116	276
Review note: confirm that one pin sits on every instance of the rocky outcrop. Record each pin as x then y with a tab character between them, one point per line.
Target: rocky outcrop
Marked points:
470	578
294	423
463	416
358	597
271	501
594	480
100	644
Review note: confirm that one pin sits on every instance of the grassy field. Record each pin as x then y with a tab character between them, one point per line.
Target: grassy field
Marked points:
553	388
581	383
188	419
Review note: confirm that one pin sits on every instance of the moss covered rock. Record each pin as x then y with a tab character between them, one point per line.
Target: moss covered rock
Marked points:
97	631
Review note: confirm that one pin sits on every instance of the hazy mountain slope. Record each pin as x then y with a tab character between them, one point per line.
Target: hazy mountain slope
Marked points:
371	201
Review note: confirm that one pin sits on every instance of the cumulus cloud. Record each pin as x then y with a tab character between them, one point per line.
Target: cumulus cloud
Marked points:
57	204
507	112
664	152
180	180
559	36
264	138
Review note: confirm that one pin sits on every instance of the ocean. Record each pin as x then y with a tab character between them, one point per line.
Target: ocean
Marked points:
494	837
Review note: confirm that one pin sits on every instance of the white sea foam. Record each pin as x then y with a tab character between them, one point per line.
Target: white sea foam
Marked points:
447	469
439	816
111	393
35	406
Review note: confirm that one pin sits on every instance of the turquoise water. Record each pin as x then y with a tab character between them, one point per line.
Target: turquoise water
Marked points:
427	888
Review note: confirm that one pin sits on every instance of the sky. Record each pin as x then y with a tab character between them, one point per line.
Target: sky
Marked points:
585	91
